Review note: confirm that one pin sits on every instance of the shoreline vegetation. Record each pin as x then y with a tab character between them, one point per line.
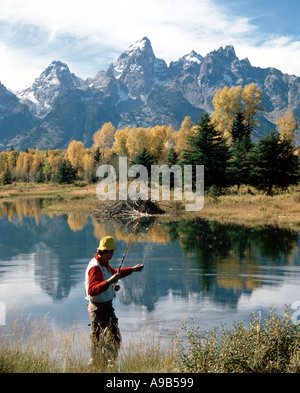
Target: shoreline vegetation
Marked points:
268	345
245	206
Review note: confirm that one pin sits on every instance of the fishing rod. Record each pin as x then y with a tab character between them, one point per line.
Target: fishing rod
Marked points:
136	223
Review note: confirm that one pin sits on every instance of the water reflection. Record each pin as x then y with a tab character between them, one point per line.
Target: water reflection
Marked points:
231	248
232	258
188	263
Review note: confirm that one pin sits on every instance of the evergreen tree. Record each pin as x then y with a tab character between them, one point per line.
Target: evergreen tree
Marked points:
274	163
239	163
208	147
40	178
240	130
172	157
65	173
97	155
144	158
5	176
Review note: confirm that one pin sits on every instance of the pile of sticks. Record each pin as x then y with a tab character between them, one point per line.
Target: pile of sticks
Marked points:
131	208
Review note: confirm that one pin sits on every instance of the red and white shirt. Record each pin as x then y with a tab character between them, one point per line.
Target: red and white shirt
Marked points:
97	289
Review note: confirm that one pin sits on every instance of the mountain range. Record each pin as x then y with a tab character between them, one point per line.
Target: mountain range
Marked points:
138	90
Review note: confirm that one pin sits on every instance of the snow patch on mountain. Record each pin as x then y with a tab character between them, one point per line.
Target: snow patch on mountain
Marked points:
41	96
191	59
122	93
141	45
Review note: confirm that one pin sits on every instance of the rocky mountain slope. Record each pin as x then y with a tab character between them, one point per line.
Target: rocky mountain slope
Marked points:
138	90
52	83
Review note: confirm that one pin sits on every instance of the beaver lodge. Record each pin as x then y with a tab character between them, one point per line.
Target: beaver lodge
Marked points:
130	208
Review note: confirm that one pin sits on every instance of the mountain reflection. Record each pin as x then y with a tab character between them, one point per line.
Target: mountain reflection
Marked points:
183	257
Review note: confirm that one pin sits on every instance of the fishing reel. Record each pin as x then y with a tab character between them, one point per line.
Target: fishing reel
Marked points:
116	287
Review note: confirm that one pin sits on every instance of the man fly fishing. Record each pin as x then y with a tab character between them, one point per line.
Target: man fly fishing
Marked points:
100	287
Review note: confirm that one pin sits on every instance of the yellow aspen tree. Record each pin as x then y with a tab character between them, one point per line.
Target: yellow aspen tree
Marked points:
251	98
287	125
23	166
120	141
19	164
181	136
28	159
35	165
159	139
11	160
54	160
137	139
88	165
75	154
227	102
104	138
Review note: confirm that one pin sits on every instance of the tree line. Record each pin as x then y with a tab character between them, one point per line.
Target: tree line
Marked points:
222	142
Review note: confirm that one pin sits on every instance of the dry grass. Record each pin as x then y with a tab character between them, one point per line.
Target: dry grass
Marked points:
282	209
247	207
19	189
64	198
32	347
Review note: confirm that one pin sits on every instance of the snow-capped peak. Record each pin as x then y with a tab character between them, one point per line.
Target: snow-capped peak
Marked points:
193	57
138	54
142	44
55	79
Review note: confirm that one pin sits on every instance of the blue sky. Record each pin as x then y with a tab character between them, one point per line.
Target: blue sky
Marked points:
90	34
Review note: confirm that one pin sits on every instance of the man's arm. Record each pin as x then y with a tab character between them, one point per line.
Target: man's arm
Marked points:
96	283
123	272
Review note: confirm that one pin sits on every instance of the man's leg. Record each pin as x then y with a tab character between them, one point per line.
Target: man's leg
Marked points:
105	335
111	341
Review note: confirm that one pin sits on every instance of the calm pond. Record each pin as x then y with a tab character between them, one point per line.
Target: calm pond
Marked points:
207	271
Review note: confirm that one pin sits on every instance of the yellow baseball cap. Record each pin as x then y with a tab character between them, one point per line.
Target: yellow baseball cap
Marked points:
107	243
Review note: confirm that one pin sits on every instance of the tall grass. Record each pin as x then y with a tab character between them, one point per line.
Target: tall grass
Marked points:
271	345
32	347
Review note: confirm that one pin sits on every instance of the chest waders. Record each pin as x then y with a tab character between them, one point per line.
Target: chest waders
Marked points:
111	347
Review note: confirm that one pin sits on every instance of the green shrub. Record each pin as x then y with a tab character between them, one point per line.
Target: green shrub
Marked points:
269	347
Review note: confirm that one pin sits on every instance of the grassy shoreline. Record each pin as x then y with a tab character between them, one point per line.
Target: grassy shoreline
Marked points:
270	345
243	207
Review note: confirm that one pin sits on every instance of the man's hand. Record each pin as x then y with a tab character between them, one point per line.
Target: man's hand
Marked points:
114	278
137	268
